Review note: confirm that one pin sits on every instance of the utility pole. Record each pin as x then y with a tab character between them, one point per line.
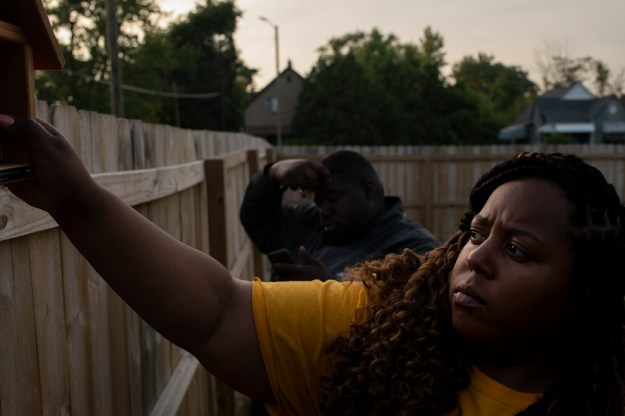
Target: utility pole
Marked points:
112	34
278	86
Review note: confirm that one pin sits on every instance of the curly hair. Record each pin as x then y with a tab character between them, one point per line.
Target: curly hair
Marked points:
403	357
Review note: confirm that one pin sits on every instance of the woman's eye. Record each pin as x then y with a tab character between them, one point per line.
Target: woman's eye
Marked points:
516	252
476	236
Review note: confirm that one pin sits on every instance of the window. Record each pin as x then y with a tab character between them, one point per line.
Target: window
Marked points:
271	105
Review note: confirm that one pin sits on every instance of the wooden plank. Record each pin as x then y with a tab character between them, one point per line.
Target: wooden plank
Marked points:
165	213
126	149
216	188
86	140
12	33
241	261
133	327
149	340
135	187
149	140
161	136
140	186
176	388
105	143
77	322
138	145
202	219
48	299
97	291
19	366
118	338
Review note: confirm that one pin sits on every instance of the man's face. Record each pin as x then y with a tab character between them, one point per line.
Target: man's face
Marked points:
345	210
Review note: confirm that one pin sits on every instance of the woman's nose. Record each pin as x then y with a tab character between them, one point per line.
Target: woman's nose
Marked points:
481	258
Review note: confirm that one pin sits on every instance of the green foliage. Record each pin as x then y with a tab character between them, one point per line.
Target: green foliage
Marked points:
195	56
505	90
370	89
81	28
205	59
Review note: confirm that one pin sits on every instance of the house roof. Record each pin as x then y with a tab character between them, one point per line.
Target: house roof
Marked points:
562	111
287	70
30	16
554	107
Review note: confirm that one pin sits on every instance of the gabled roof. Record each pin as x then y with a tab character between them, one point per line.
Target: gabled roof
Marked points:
552	107
31	18
566	105
575	91
286	71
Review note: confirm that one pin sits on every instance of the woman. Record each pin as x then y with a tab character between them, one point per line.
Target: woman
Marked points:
521	311
529	292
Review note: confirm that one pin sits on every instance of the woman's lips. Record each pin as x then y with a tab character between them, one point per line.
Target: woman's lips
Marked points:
467	300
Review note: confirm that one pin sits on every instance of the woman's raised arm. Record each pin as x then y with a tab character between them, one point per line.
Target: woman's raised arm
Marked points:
183	293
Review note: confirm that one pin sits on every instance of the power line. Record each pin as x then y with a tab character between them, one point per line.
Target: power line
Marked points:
146	91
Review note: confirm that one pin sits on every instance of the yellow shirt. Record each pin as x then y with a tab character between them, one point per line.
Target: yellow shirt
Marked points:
296	321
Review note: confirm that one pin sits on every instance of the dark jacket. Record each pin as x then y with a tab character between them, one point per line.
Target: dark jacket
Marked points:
272	225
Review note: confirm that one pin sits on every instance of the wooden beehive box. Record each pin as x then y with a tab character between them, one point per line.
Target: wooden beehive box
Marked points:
27	43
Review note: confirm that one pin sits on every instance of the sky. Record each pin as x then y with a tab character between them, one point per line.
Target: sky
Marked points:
513	31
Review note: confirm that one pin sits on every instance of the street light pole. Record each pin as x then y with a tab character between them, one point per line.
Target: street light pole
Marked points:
278	86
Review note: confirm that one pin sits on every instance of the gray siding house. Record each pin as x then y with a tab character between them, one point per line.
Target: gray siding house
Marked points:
573	112
261	113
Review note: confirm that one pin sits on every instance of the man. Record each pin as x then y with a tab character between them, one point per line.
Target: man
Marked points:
350	221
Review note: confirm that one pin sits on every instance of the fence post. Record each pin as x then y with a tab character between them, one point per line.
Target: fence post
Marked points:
216	193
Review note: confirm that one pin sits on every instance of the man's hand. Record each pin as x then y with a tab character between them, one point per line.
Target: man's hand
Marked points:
299	173
311	268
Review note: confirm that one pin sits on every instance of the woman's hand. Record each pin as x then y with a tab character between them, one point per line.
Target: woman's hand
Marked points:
58	179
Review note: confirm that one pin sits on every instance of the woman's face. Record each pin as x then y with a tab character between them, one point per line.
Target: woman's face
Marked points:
510	288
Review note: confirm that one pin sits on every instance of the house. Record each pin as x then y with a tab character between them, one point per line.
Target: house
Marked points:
571	113
261	114
27	43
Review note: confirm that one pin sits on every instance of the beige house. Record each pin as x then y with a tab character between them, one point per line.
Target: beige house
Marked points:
261	114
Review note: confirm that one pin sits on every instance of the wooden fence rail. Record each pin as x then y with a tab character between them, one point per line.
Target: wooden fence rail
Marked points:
69	345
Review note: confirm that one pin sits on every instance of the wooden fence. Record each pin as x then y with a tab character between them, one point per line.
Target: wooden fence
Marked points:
70	346
435	181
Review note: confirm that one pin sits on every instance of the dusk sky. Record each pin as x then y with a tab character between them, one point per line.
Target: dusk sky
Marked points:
513	31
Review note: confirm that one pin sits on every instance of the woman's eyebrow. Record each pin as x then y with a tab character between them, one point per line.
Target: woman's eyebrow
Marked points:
523	233
485	222
481	220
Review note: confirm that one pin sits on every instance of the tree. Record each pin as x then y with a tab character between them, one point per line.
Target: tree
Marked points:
195	58
506	90
80	26
558	68
204	59
370	89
